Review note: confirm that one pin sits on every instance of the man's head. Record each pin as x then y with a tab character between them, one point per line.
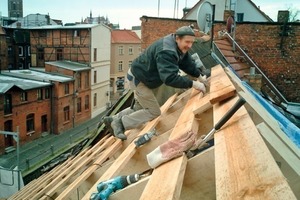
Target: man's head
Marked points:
185	37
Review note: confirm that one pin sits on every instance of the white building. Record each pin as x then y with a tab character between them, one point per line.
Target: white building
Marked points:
245	10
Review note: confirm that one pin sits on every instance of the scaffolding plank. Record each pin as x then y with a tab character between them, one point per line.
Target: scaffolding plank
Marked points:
172	172
127	154
245	169
221	87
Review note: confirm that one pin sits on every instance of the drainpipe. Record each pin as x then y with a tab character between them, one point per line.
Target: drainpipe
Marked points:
52	107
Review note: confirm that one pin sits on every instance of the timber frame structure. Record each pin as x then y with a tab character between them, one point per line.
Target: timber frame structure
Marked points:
252	158
67	43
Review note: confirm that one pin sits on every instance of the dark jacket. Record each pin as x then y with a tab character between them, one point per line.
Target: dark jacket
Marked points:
160	63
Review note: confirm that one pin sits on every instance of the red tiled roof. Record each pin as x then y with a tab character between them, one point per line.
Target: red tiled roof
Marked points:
124	36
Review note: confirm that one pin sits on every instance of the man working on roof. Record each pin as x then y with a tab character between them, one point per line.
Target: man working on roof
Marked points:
159	63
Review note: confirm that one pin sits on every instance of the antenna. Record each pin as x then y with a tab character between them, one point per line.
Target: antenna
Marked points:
205	17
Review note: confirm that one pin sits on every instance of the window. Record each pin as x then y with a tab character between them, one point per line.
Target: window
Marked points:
130	50
20	65
86	102
59	54
79	105
120	83
129	63
9	50
79	80
7	104
95	54
40	94
40	53
87	82
14	7
28	50
42	33
240	17
24	96
30	123
47	93
20	51
66	113
120	66
95	99
67	88
95	76
76	33
121	51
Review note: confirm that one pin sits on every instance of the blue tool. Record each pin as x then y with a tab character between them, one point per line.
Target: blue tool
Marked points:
106	188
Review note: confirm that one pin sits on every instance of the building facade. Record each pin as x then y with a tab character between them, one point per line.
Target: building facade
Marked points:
71	99
82	43
242	10
25	107
15	8
125	47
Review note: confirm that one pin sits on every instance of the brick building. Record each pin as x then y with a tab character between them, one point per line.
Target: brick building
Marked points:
72	100
274	52
3	49
82	43
25	104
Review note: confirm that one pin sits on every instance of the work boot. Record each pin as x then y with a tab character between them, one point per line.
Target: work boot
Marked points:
118	129
107	121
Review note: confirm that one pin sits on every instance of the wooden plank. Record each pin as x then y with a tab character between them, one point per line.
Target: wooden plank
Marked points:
172	172
202	106
281	154
132	192
269	120
245	169
112	148
124	158
199	180
72	170
221	87
166	180
279	146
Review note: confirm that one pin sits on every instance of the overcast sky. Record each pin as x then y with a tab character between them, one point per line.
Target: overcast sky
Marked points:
127	13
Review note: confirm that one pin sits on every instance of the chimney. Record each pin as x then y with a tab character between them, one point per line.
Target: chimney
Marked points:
19	24
283	16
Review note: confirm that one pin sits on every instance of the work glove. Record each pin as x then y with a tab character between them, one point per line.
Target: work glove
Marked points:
199	86
203	79
171	149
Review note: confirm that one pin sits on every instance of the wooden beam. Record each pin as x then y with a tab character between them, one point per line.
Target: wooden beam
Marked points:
127	154
131	192
172	172
166	181
61	179
109	151
282	154
202	106
221	87
199	180
271	122
245	169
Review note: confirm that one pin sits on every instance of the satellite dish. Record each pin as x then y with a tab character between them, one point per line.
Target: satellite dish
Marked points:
205	16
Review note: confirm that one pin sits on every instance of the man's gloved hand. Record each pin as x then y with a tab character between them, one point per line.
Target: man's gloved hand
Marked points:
171	149
203	79
199	86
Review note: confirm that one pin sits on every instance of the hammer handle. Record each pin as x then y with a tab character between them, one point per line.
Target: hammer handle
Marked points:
229	114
